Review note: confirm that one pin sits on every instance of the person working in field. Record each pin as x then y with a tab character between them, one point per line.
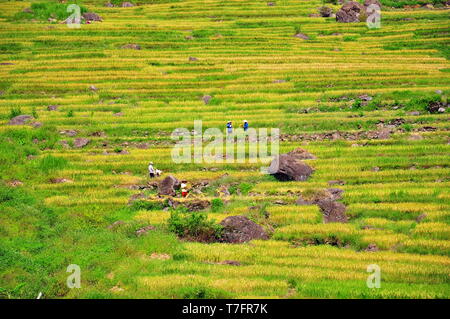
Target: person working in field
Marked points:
229	127
184	189
151	170
245	125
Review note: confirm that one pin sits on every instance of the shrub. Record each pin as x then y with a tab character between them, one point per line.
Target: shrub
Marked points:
44	11
216	205
193	226
15	111
147	205
50	163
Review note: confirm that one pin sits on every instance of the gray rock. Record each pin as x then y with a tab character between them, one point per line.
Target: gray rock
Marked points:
20	120
286	167
81	142
240	229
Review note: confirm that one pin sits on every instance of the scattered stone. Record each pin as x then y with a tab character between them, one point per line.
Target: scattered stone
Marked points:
193	59
279	202
118	114
229	262
197	204
438	92
301	36
384	133
189	37
93	88
271	4
351	11
325	11
333	212
436	107
365	98
81	142
375	169
372	248
127	4
301	154
20	120
52	107
132	46
160	256
144	230
109	5
70	133
415	137
36	124
116	224
413	113
60	180
116	289
421	217
15	183
336	182
206	98
335	193
168	185
285	167
6	63
91	16
279	81
136	197
240	229
27	10
98	134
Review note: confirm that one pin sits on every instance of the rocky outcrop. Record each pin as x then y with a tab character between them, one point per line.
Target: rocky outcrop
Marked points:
132	46
240	229
286	167
351	11
332	211
91	16
81	142
20	120
168	186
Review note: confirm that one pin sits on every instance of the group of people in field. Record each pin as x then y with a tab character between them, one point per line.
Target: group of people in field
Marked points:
153	172
230	126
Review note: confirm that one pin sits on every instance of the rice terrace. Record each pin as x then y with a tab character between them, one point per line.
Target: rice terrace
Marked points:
121	126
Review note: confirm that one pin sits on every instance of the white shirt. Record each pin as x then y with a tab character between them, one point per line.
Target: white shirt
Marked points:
151	169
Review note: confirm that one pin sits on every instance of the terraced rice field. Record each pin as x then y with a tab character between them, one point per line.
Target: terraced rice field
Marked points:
247	59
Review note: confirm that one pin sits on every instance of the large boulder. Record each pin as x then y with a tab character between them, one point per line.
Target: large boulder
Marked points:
325	11
351	11
286	167
80	142
368	3
333	212
91	16
20	120
240	229
168	186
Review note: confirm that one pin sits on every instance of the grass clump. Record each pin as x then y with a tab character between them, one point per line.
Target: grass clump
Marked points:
45	10
193	226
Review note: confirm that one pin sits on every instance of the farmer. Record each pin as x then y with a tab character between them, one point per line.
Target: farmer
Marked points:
229	127
245	125
151	170
184	191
